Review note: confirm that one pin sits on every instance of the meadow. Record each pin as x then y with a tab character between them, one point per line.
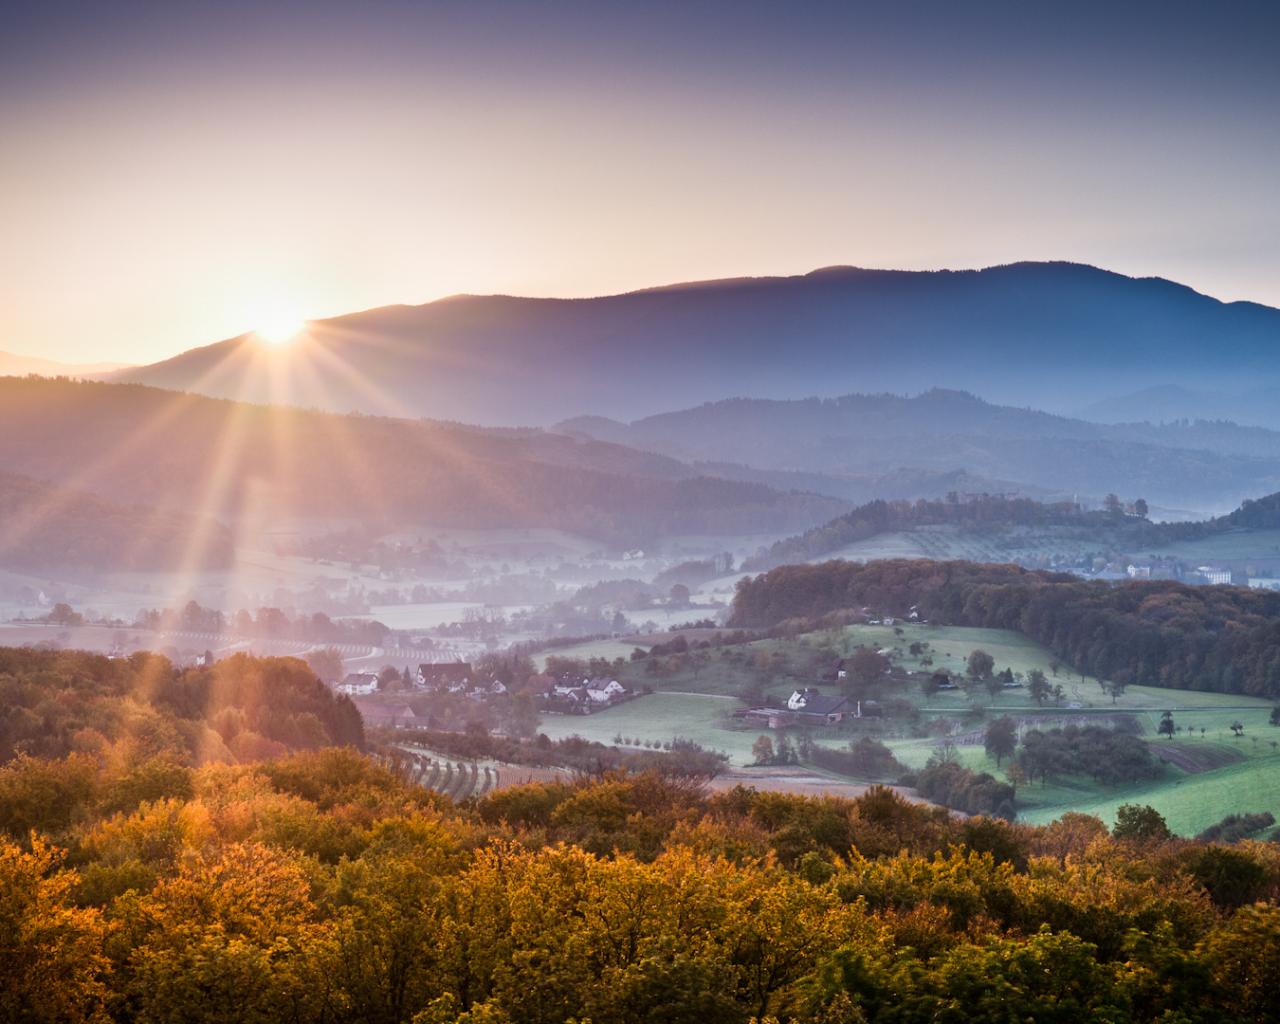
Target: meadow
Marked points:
1209	774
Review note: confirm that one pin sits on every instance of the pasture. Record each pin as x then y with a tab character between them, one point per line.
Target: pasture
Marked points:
1210	773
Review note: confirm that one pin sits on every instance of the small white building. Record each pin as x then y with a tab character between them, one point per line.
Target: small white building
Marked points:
359	684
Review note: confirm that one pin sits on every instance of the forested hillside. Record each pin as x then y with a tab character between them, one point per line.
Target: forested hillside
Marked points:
1156	632
990	513
43	527
184	452
1187	464
323	889
142	708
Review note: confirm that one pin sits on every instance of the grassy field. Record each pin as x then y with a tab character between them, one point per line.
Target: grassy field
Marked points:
1038	544
661	717
1232	775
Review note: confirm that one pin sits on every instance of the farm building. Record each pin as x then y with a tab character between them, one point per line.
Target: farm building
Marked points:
454	676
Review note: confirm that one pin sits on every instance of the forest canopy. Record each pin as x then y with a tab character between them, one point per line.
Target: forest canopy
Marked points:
324	889
1153	632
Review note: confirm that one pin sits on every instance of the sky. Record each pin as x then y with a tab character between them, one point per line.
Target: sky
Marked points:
172	174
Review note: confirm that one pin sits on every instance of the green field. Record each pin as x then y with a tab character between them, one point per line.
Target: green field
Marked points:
661	717
695	705
1037	545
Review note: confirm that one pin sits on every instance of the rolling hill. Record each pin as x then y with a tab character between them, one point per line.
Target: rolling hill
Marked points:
47	528
13	365
255	464
1204	466
1049	335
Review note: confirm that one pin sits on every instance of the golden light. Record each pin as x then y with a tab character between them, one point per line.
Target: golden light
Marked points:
279	327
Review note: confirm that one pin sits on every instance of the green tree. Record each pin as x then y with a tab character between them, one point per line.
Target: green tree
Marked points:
1243	956
979	665
1001	739
1140	823
1166	726
1038	687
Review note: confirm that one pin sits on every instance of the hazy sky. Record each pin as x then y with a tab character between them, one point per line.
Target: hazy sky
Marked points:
171	174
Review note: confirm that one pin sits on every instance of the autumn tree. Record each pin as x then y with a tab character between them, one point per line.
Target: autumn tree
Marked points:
52	958
327	663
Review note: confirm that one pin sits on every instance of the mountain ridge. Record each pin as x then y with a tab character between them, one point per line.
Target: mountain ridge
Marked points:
1048	334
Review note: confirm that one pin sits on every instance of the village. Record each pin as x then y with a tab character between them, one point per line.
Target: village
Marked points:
407	702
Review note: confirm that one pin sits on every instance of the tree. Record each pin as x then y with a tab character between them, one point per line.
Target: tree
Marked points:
1114	687
1001	739
1243	956
1112	504
679	596
388	678
996	683
1140	823
1275	715
326	663
522	719
1237	728
979	665
762	750
62	614
1166	726
1038	687
1141	508
52	959
866	669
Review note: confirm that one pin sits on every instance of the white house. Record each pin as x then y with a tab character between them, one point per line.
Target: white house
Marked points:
359	684
603	691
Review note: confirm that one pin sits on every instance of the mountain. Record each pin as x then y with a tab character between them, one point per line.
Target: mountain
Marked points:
1255	407
1208	466
257	466
1049	335
13	365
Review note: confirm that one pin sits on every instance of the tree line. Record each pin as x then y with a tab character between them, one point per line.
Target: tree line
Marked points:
55	704
1154	632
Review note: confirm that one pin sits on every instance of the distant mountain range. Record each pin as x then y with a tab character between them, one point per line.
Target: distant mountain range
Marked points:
256	467
866	440
1048	335
12	365
1168	402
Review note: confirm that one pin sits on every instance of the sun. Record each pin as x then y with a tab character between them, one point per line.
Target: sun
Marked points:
279	327
279	330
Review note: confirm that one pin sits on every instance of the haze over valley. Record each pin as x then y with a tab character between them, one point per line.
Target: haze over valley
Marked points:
639	514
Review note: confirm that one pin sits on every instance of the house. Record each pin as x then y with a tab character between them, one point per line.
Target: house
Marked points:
395	716
809	705
1214	574
359	684
838	671
800	697
604	691
454	676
